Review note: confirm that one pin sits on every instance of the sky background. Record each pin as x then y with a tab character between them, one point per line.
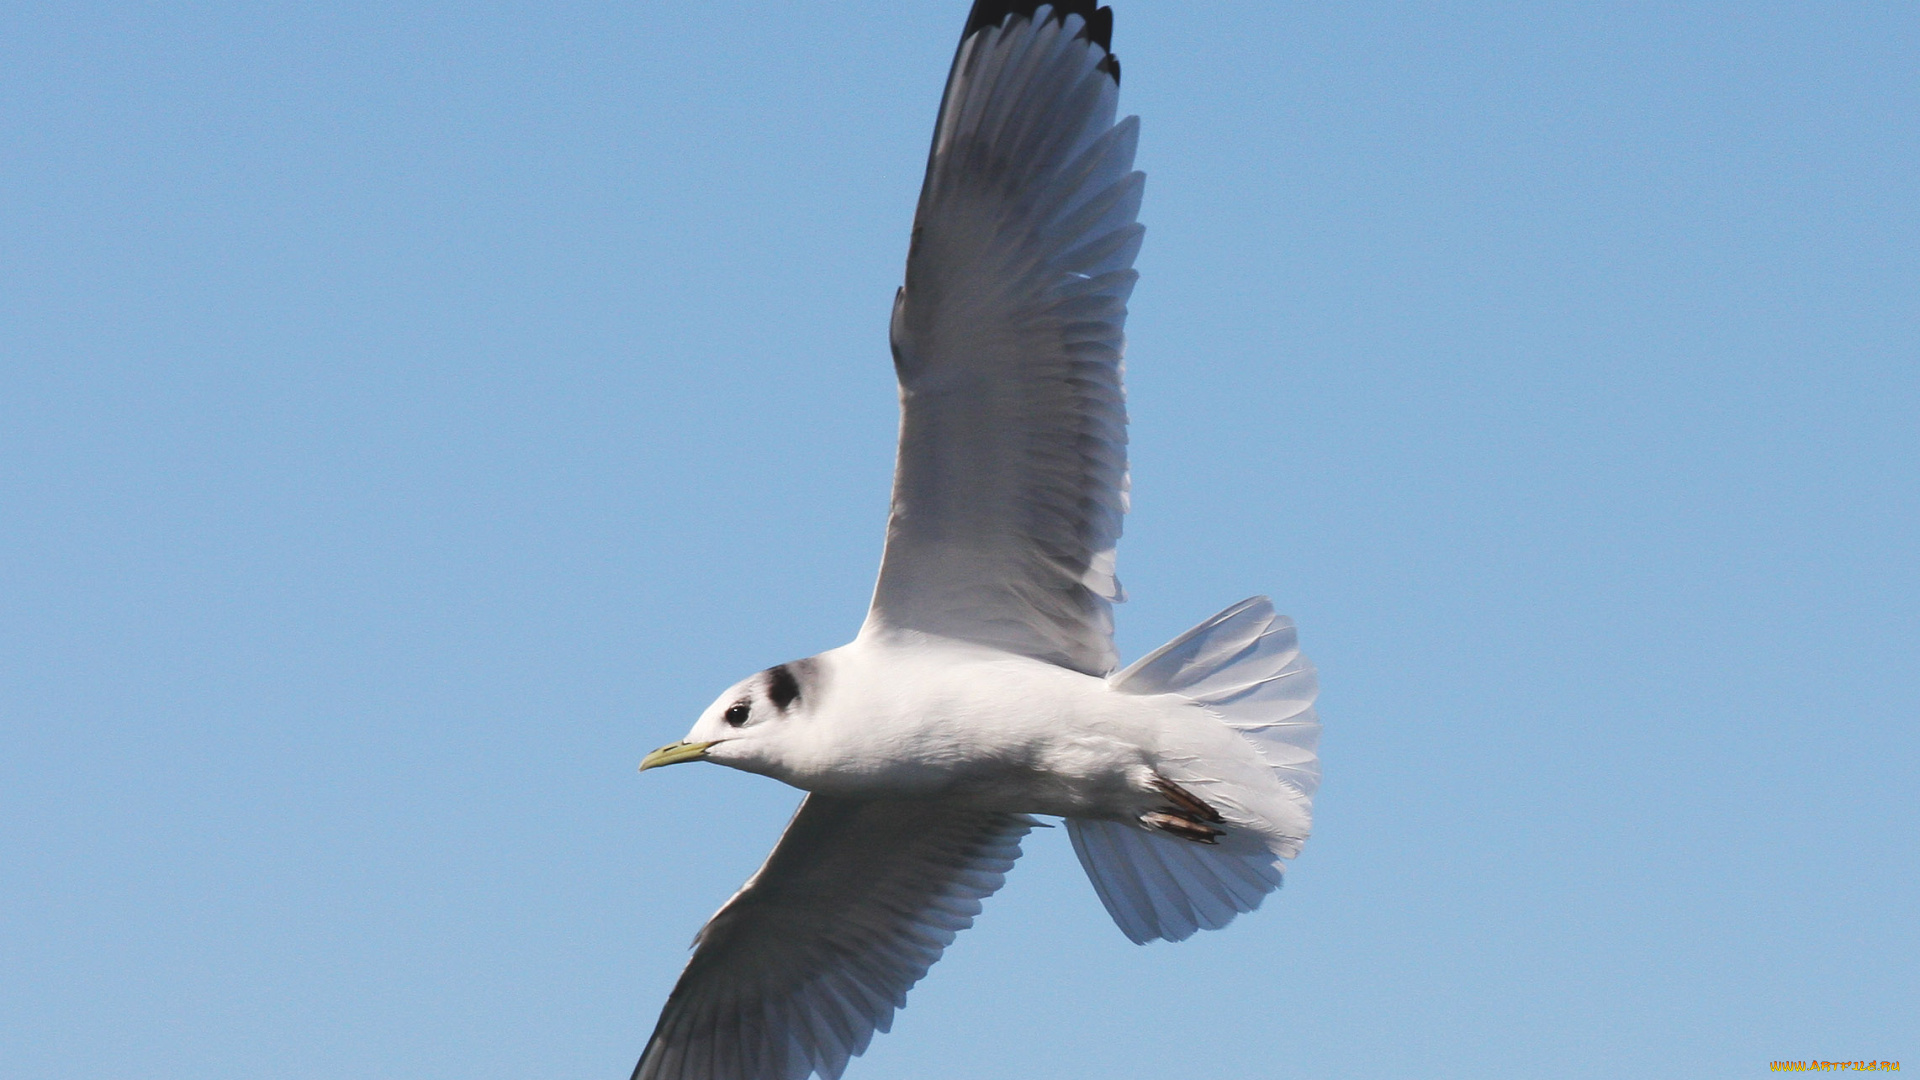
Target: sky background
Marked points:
412	414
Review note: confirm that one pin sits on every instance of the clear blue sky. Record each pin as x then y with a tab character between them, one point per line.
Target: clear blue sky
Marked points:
410	415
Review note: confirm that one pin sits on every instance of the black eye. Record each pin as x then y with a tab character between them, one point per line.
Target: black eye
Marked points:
737	713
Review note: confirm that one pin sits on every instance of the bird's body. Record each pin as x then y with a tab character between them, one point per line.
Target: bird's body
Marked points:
982	688
931	718
914	716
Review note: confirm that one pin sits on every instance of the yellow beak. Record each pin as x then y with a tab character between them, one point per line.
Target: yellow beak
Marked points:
674	754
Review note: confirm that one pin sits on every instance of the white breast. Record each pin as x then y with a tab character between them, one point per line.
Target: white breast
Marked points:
914	716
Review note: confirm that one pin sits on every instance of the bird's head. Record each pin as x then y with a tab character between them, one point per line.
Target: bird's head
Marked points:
748	726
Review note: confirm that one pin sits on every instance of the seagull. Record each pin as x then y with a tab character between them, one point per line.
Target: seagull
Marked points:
984	688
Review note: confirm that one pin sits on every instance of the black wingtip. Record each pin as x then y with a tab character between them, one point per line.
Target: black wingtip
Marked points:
1098	29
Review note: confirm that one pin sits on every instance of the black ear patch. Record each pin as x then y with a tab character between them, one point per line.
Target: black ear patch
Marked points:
782	687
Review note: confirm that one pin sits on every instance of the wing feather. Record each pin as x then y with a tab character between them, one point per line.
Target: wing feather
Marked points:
1007	337
813	955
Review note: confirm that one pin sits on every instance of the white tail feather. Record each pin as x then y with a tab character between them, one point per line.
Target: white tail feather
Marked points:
1244	667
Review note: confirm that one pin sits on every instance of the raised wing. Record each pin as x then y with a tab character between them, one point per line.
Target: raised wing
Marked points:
796	972
1007	337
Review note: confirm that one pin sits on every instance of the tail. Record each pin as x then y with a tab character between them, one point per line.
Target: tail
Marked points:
1244	668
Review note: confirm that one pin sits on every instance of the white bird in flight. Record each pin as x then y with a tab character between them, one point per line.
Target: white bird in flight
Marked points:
982	688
